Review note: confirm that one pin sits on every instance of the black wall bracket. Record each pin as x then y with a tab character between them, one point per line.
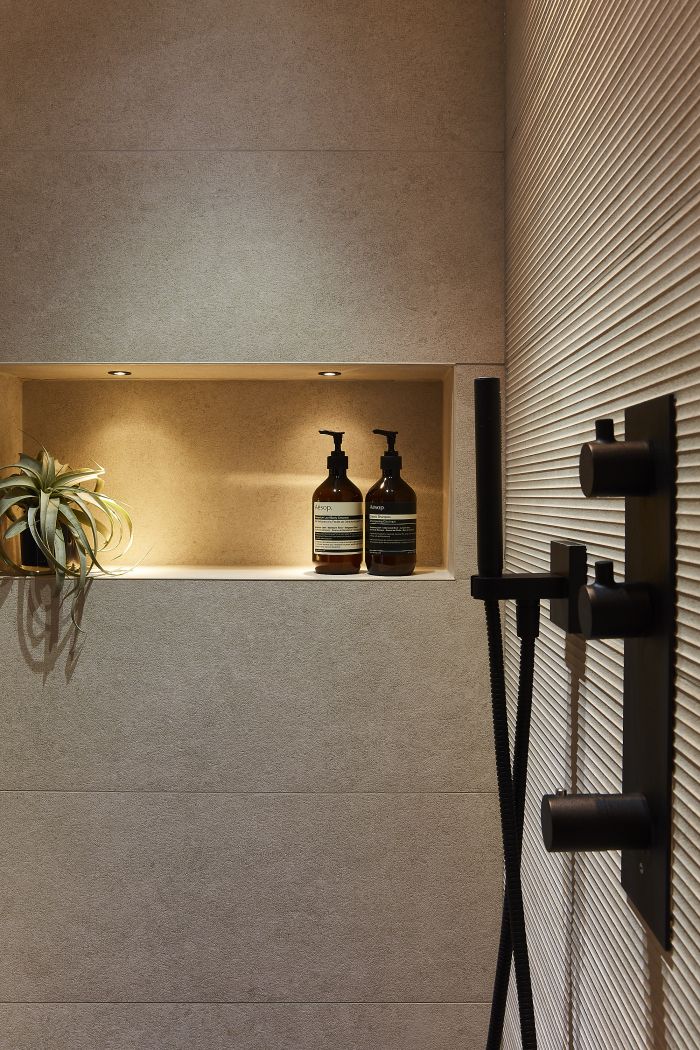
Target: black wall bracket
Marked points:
567	558
642	611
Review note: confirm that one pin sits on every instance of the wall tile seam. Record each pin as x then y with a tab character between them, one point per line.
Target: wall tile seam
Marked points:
244	1002
446	151
311	792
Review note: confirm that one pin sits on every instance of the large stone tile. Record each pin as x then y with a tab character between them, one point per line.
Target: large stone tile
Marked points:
242	685
292	74
156	897
382	1026
251	257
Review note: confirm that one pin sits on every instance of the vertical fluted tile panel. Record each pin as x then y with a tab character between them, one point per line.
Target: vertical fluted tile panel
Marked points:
602	238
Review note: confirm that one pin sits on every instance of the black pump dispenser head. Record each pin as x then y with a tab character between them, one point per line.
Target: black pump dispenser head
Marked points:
391	458
337	459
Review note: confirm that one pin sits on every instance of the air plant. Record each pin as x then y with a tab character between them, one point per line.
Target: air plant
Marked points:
67	515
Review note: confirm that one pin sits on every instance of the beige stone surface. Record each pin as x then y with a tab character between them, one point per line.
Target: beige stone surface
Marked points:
223	473
274	256
11	419
189	1026
266	897
291	74
10	437
247	686
277	182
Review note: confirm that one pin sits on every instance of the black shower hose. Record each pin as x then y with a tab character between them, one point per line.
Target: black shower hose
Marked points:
520	757
511	795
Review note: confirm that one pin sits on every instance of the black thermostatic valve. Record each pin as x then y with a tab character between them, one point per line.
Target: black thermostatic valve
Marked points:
641	610
595	822
607	609
608	467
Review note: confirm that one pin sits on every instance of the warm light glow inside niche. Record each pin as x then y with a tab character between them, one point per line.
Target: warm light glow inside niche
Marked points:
221	473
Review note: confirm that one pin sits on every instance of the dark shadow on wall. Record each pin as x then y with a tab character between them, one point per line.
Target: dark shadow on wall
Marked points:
45	629
657	960
5	591
575	659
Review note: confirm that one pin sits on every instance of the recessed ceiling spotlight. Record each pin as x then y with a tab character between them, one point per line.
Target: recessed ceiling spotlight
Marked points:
330	373
119	372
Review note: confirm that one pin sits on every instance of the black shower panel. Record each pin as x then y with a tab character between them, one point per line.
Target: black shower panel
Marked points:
640	610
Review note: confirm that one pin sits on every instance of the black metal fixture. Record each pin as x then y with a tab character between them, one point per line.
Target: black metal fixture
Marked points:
607	609
329	373
491	585
567	559
595	822
608	467
642	612
118	372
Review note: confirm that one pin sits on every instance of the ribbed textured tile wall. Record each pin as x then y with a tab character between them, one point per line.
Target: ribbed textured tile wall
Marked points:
602	239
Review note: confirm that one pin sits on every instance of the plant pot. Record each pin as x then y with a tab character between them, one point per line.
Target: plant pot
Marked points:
32	557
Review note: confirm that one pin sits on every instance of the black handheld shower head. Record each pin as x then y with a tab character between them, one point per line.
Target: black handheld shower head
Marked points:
489	486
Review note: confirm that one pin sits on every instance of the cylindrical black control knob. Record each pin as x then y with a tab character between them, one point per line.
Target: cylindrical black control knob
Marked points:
614	610
608	467
579	823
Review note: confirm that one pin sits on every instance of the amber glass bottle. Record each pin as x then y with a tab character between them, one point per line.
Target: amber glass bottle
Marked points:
390	518
337	516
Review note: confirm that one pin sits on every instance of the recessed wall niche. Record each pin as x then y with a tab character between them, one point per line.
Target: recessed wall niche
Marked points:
218	463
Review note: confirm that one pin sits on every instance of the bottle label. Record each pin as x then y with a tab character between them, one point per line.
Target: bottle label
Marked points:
391	528
337	528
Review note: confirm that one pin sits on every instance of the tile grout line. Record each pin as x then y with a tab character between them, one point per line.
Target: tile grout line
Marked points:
243	1002
185	791
243	149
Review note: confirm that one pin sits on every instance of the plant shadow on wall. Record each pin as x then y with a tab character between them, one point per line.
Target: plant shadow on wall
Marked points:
656	958
47	630
55	525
